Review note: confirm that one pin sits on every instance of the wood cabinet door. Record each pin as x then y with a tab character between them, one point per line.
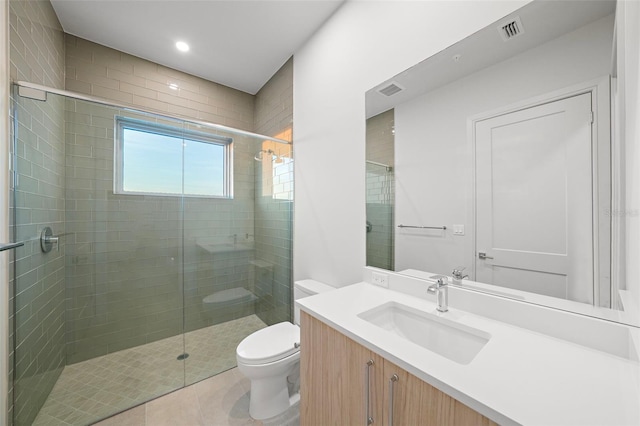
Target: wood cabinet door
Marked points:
415	402
332	378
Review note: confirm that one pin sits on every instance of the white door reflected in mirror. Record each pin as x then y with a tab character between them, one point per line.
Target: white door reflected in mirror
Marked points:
534	199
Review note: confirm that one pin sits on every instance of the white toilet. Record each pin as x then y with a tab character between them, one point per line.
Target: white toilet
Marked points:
270	358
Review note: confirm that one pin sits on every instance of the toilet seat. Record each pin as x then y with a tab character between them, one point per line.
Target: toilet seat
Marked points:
269	344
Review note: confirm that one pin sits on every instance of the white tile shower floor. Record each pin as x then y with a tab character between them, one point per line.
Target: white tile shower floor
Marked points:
94	389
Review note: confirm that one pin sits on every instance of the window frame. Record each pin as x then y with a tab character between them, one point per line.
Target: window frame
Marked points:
122	123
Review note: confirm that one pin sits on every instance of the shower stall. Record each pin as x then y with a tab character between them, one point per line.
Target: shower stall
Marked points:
152	246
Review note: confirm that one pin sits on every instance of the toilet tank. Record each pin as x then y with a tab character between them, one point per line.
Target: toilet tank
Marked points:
306	288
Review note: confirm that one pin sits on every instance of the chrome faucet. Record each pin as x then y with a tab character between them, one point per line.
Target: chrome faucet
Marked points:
456	275
441	290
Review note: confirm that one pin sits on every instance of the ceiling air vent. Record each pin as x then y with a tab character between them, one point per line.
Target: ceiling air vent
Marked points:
391	89
511	29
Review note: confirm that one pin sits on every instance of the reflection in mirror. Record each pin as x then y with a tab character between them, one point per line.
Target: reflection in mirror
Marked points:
380	190
498	158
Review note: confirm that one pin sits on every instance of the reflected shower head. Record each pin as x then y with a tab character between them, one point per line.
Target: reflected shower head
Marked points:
260	155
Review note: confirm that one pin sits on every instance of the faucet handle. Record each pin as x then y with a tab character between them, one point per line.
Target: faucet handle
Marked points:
442	279
441	282
457	273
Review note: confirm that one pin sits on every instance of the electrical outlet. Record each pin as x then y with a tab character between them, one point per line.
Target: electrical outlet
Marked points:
380	279
458	229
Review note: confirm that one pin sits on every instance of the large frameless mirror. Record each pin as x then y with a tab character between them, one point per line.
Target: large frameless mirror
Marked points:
498	162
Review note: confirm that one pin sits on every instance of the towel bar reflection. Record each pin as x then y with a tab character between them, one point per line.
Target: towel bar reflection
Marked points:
444	228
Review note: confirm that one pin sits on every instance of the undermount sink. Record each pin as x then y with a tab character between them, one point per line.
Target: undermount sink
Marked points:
457	342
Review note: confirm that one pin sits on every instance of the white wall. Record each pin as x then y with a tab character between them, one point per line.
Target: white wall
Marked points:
433	152
361	45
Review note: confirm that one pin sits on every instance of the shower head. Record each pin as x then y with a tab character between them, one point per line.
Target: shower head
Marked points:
260	155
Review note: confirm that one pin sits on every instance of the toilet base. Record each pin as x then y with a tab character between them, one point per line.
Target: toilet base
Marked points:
270	397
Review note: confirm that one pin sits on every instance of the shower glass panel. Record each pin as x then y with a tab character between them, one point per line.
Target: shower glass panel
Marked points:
237	252
379	226
38	283
168	253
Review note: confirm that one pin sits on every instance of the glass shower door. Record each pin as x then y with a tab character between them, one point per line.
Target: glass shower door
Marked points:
237	253
37	278
99	318
220	252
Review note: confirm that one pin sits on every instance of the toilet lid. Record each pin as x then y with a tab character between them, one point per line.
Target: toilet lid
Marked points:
269	344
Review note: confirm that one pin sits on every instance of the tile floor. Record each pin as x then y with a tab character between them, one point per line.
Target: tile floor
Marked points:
97	388
222	400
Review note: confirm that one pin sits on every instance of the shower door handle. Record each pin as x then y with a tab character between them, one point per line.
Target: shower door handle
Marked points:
10	246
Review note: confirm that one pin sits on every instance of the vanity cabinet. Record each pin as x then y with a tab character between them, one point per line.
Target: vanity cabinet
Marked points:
415	402
335	371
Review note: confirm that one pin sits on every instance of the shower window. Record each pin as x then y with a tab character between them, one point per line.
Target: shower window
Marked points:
158	159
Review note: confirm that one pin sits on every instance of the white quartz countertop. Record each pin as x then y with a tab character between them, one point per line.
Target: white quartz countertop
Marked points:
519	377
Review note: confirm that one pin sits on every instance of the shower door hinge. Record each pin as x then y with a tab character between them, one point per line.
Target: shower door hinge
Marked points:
31	93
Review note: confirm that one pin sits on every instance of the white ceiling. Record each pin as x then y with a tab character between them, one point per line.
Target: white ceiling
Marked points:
237	43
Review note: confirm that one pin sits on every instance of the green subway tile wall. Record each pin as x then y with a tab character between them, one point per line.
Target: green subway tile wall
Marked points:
97	70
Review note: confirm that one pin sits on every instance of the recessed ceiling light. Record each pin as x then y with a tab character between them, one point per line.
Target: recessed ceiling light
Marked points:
182	46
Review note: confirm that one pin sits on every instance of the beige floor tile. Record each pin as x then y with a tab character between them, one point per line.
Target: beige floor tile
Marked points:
215	383
246	383
132	417
224	401
232	409
178	408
